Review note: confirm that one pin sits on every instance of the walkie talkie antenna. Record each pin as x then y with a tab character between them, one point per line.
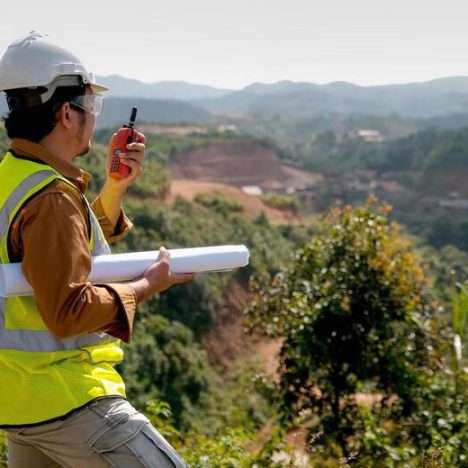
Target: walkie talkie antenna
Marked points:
133	114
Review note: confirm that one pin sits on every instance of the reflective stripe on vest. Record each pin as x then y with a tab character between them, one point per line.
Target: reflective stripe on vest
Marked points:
15	198
42	340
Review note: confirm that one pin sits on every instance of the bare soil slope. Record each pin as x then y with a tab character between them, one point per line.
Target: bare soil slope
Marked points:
253	206
237	163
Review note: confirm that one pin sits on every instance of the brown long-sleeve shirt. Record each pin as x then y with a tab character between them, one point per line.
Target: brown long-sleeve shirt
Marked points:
50	236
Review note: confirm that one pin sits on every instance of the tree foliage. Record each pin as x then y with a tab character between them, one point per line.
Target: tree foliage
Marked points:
225	449
353	315
165	363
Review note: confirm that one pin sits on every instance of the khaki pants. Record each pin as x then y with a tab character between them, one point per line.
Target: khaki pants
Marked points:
108	432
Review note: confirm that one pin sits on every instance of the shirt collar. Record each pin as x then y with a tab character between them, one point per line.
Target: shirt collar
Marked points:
37	152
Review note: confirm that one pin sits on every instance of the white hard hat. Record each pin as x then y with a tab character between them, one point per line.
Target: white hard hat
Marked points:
34	62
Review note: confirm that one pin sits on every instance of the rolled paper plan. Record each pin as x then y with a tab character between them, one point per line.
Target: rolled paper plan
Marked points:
125	267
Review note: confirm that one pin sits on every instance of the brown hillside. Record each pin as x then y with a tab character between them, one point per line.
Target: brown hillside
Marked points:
252	205
233	163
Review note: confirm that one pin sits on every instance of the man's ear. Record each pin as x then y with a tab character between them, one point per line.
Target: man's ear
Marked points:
64	115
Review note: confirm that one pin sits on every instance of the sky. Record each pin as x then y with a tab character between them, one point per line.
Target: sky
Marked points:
230	44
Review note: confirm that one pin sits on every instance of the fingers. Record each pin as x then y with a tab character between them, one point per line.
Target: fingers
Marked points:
158	277
164	261
178	278
135	167
140	138
134	158
136	147
136	151
175	278
164	255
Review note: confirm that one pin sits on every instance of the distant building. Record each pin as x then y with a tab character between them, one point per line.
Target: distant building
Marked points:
229	128
454	203
252	190
371	136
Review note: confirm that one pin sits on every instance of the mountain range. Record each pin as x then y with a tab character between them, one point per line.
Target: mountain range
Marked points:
288	99
178	101
165	111
302	100
181	90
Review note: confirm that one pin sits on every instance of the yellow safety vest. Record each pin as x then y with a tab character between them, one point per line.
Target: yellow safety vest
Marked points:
43	377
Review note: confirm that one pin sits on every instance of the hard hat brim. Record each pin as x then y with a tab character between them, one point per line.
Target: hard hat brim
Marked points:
98	88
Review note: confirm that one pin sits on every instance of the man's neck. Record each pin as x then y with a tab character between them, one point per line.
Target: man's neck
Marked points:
57	148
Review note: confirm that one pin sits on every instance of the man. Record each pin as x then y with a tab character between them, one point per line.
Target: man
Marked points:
61	401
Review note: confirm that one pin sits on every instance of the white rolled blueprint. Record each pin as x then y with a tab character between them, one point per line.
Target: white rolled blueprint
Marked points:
125	267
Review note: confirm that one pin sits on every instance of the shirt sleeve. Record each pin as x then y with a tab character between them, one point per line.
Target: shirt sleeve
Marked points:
52	235
111	233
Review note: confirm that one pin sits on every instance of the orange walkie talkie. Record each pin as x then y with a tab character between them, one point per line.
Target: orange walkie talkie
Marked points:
123	137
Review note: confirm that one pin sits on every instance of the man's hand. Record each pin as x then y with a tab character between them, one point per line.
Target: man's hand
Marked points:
133	158
158	277
113	190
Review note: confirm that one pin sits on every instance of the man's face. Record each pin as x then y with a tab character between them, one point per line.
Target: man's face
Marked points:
85	130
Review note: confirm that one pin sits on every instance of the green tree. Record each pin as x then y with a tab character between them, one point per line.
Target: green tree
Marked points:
226	449
352	312
163	362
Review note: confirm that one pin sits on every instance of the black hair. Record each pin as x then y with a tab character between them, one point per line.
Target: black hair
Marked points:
35	122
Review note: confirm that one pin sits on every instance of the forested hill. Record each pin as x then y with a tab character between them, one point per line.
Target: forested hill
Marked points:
181	90
440	157
184	102
165	111
430	152
300	100
289	99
